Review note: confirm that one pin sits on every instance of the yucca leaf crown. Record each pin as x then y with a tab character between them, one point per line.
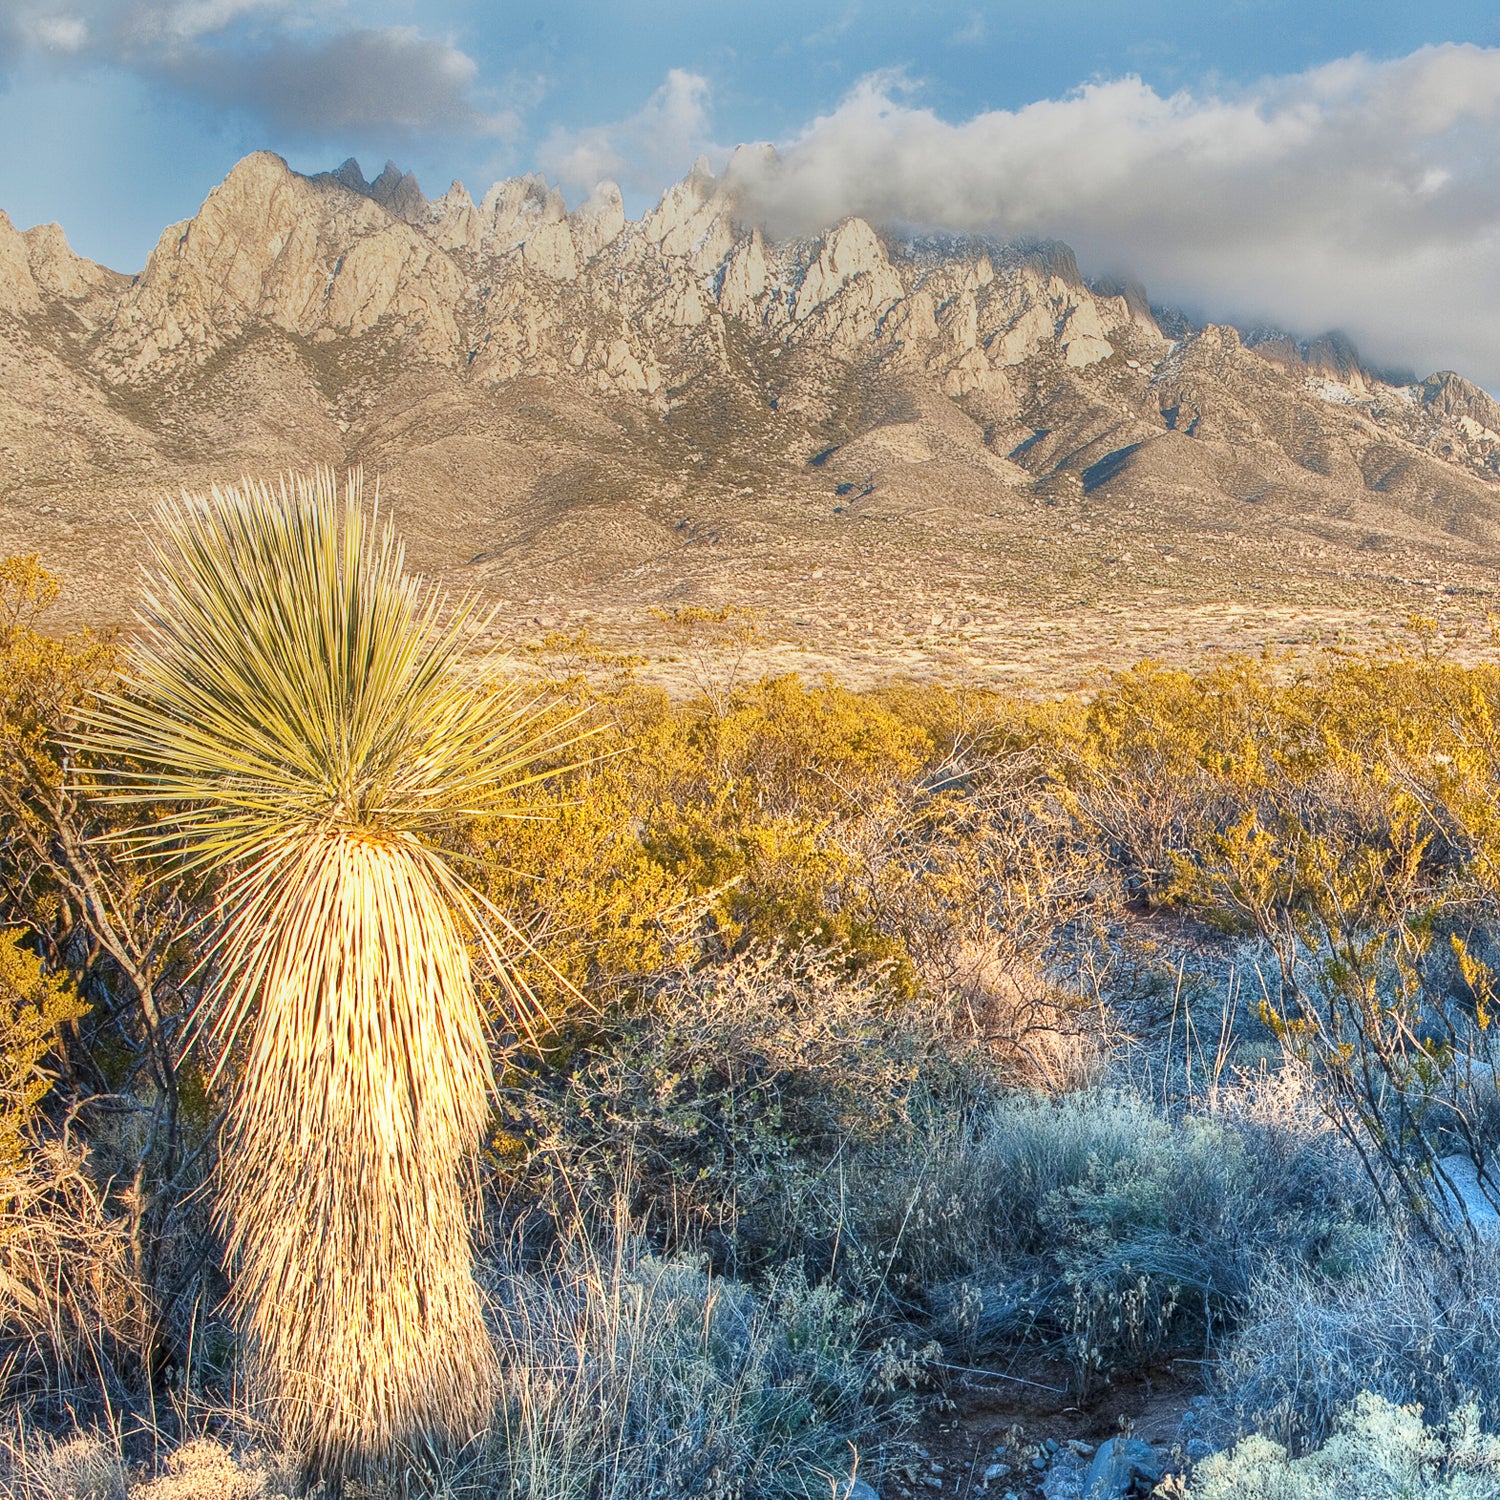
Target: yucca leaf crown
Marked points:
291	676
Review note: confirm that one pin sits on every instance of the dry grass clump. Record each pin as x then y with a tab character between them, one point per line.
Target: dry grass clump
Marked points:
93	1466
307	720
625	1374
1415	1327
84	1467
74	1317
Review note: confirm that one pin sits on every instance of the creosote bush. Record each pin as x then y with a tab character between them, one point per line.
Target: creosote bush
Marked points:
33	1006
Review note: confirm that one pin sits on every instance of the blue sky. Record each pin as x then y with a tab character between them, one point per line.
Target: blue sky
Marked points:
119	116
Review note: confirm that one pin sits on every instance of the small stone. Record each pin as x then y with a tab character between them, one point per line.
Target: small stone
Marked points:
996	1471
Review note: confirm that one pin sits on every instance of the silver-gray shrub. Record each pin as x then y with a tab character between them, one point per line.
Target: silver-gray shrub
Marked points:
625	1374
1377	1451
1418	1328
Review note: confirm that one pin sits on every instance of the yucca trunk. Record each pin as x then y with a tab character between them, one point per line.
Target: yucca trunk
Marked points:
365	1089
304	718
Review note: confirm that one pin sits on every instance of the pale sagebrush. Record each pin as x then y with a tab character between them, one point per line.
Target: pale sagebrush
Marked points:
1378	1451
305	719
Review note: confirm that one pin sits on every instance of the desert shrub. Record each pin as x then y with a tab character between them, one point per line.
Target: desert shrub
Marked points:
33	1006
76	1322
1416	1327
1377	1451
1109	1235
728	1108
625	1374
84	1467
909	831
94	1466
70	1308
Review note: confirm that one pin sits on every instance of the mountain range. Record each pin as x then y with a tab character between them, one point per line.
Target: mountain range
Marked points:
911	453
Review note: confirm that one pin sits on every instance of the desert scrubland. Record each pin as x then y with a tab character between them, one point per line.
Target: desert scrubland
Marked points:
916	1086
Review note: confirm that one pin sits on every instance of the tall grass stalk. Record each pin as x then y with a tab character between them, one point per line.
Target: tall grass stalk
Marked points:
307	719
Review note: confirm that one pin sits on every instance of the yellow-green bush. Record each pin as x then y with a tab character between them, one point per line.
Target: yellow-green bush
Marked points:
33	1005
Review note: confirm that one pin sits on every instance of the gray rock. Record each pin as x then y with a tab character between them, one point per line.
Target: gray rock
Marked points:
1122	1468
1472	1201
858	1490
1063	1484
1064	1479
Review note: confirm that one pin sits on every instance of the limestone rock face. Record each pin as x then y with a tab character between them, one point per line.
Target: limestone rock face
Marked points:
19	294
311	258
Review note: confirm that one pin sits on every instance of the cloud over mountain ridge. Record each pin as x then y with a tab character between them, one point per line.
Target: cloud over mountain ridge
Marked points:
1363	195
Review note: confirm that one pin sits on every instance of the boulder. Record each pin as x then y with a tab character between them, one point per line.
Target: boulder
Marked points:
1124	1468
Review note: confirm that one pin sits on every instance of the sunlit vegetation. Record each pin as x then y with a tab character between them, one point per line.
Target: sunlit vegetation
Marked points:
875	1035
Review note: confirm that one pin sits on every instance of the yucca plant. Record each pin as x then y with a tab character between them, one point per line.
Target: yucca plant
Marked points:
307	720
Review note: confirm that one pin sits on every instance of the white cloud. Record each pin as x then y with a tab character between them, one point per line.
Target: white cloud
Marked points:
59	33
377	78
647	150
298	65
1363	195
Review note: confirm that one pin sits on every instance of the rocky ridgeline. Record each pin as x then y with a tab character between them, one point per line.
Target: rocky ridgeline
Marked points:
518	284
38	271
571	405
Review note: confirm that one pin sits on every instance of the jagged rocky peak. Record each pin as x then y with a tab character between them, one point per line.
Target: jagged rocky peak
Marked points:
40	266
847	252
1133	294
599	220
260	171
398	191
1450	396
1053	258
350	175
1332	355
19	294
695	220
272	247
